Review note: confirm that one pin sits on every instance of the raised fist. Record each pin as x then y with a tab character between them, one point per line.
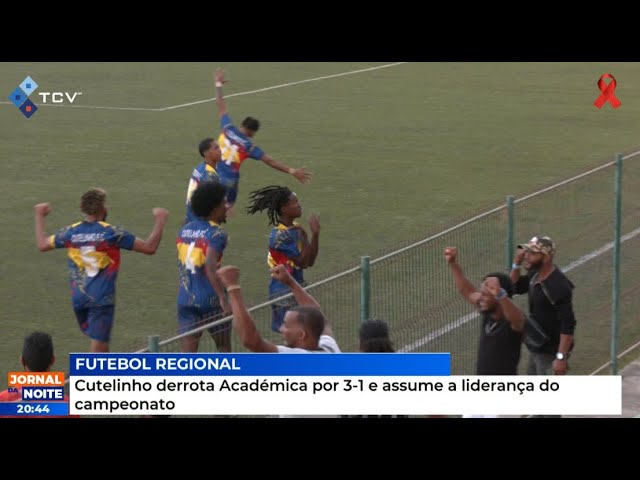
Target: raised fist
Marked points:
161	214
281	274
450	254
229	275
43	209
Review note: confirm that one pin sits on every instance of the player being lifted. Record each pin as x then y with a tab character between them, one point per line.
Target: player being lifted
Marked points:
237	145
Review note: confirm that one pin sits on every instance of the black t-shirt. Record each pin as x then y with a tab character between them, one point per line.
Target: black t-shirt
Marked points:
499	348
550	305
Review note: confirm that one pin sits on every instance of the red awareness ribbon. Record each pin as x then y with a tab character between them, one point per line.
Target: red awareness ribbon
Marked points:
607	92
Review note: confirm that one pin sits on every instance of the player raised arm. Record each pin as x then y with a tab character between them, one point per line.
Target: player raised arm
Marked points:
309	250
300	174
220	103
40	211
151	244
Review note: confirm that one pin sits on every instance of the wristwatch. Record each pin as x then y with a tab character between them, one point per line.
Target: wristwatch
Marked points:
561	356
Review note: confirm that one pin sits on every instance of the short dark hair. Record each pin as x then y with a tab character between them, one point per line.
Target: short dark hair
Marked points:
37	352
251	123
208	196
205	145
374	336
92	201
505	282
310	318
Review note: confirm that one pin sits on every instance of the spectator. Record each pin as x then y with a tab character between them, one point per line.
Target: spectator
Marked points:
502	320
550	296
304	330
374	337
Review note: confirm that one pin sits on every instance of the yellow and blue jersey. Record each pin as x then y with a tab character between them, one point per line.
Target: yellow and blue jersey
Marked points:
193	242
93	250
235	148
202	173
285	243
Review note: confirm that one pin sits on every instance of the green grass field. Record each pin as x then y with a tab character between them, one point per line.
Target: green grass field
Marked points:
396	152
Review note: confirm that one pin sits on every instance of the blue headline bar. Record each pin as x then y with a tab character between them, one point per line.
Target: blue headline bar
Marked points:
34	409
253	364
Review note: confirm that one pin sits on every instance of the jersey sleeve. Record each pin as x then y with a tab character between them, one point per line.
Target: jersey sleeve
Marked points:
218	240
60	238
118	237
256	152
225	121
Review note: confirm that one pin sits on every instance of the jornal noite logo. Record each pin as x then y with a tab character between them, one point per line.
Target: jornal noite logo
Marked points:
20	97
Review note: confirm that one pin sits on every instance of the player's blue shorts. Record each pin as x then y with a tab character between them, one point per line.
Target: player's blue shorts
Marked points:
96	322
231	184
190	318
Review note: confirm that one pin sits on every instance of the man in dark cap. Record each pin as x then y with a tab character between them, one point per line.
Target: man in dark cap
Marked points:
550	305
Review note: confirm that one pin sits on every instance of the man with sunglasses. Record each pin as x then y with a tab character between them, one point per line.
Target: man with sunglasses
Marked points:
550	305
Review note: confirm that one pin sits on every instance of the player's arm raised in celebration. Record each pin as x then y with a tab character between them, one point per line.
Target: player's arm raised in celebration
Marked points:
220	103
40	211
310	249
300	174
151	244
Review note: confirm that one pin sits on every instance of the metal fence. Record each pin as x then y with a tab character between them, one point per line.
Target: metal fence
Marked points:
594	218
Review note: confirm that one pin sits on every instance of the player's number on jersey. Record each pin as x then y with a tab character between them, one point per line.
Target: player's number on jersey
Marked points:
229	152
87	254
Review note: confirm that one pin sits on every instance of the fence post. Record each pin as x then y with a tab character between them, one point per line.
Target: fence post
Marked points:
365	288
154	343
617	227
510	231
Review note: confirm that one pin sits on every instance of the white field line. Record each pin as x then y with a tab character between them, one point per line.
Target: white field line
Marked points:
467	318
238	94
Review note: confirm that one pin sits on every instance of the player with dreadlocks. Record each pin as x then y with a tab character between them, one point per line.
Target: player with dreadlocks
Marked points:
289	244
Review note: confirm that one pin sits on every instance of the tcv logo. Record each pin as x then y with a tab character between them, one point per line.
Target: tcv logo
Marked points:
20	97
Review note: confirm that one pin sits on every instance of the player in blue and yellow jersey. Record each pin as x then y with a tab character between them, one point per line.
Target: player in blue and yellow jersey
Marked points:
289	244
93	250
200	244
237	145
205	171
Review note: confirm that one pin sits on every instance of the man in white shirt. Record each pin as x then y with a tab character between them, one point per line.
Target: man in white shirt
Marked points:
305	329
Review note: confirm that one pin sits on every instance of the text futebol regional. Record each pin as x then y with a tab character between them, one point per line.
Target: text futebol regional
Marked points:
166	364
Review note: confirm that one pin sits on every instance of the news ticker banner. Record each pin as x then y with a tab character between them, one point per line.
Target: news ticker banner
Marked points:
321	384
